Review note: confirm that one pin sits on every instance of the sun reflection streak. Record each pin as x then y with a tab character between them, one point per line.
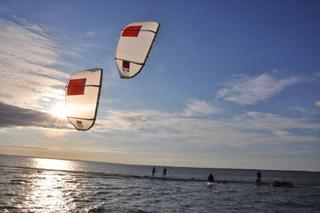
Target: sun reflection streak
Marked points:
48	189
55	164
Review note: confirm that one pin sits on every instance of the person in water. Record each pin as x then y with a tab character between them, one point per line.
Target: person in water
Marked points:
153	170
210	178
258	180
164	173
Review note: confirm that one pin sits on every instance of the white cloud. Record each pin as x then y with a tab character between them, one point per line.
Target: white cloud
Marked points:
197	107
247	128
54	133
281	133
250	90
272	122
27	55
90	34
121	120
318	104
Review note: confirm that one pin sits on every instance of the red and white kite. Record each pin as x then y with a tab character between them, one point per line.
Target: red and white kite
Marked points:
134	45
82	98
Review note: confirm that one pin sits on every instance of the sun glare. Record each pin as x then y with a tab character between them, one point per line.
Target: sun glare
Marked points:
59	111
55	164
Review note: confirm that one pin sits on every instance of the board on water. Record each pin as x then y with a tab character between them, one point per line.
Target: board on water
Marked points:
82	98
134	45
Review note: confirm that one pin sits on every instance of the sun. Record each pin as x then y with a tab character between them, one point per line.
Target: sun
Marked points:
59	111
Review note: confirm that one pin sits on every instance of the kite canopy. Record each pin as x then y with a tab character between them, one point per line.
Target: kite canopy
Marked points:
134	45
82	98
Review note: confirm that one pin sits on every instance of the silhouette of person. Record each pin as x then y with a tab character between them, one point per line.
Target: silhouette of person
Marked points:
153	170
164	173
258	180
210	178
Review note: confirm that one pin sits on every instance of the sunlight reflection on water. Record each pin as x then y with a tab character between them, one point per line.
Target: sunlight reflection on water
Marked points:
47	188
55	164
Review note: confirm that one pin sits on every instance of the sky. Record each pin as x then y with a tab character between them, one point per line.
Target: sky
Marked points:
228	84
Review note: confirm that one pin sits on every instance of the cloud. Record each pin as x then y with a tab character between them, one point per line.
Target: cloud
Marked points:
250	90
27	57
121	120
54	132
12	116
247	128
281	133
318	104
90	34
198	107
272	122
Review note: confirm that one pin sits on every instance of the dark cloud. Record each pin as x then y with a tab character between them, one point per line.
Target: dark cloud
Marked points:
16	116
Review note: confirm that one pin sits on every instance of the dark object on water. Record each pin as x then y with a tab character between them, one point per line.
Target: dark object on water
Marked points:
210	178
164	173
282	184
258	180
153	170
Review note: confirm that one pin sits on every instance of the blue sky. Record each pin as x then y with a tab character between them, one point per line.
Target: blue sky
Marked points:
228	83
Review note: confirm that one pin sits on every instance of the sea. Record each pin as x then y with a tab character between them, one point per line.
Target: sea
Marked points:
29	184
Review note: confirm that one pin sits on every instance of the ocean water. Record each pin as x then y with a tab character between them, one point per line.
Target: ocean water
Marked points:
47	185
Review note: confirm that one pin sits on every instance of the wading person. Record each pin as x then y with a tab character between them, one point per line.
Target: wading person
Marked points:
210	178
153	170
258	180
164	173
